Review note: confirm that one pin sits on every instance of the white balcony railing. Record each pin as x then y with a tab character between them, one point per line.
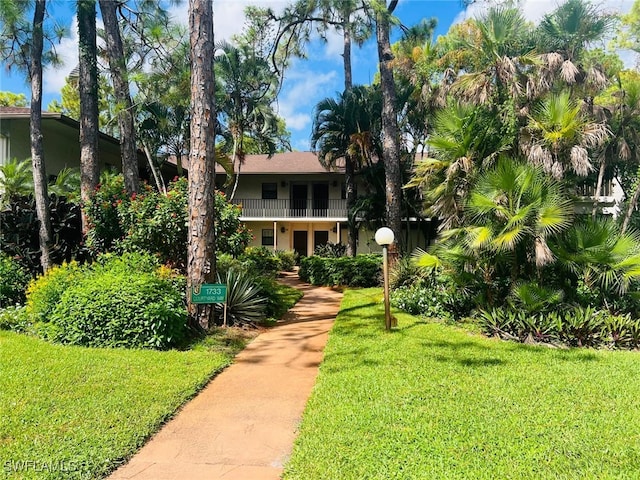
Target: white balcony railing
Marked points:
292	208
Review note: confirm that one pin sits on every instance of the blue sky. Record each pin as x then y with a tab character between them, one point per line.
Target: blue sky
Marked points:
306	81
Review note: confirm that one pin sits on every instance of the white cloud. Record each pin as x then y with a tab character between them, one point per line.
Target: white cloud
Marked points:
53	78
303	88
534	10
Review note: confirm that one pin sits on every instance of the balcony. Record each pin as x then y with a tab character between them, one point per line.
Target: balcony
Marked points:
253	208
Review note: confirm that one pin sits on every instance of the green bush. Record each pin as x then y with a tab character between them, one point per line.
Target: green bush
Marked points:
106	309
14	318
330	250
571	325
43	293
358	271
261	261
13	281
419	300
287	259
128	262
19	232
156	223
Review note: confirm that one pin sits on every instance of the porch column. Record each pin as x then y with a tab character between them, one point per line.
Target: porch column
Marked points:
338	231
275	235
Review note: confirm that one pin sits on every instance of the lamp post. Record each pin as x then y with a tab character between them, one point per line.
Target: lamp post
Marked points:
384	237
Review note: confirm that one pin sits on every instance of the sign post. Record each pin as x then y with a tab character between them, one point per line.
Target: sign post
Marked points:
211	293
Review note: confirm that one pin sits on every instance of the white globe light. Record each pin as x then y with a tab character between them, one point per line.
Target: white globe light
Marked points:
384	236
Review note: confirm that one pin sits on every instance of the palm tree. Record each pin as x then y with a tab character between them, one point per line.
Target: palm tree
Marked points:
494	51
16	180
559	136
513	211
569	30
598	253
345	129
246	92
464	138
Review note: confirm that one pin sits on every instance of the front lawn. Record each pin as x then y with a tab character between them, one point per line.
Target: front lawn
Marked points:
75	412
433	401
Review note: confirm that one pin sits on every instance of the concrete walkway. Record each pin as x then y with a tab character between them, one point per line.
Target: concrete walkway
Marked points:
243	424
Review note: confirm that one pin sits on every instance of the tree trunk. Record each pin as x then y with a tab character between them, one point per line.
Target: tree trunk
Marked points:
632	205
346	55
157	177
117	66
349	185
88	89
201	242
391	135
37	152
596	197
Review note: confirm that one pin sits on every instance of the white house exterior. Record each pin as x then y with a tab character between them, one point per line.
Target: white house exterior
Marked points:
291	202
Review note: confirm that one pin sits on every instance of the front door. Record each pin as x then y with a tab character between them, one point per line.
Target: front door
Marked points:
298	201
320	238
300	242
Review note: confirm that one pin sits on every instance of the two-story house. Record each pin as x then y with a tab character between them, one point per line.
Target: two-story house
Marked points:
291	202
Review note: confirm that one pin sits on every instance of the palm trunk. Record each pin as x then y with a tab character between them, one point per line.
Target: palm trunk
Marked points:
391	136
201	241
596	198
154	170
37	151
115	52
88	89
349	185
632	205
236	173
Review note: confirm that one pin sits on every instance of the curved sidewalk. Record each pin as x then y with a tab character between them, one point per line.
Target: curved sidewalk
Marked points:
242	425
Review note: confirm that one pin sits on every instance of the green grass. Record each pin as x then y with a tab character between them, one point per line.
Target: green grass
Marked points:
86	410
433	401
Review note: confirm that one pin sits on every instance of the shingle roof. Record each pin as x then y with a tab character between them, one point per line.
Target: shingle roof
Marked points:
20	112
286	162
283	163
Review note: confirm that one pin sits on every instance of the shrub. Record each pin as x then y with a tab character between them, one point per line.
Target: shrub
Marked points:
128	262
583	326
261	261
107	309
330	250
105	227
44	293
287	259
405	273
245	302
358	271
419	300
19	232
13	281
157	223
14	318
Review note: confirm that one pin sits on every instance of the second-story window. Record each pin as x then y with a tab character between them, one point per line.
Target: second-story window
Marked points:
269	191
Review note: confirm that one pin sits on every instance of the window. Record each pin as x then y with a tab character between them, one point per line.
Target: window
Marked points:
269	191
267	237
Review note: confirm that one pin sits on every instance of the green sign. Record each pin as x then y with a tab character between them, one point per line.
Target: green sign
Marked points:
209	293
